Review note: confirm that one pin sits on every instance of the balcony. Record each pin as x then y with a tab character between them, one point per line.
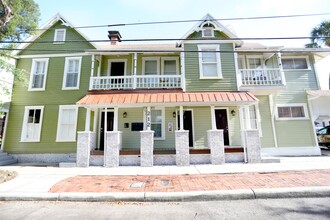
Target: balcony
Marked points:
266	80
136	82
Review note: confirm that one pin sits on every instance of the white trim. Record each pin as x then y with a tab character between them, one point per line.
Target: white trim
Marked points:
176	59
46	60
99	127
144	59
218	60
114	61
292	151
59	126
52	55
66	66
238	74
183	71
296	57
4	130
58	41
228	124
25	120
304	105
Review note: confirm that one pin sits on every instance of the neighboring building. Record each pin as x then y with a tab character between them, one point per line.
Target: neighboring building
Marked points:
230	104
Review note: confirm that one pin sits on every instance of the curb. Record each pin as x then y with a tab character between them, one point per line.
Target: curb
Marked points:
301	192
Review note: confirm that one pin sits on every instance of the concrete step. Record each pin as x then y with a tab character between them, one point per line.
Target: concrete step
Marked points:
7	162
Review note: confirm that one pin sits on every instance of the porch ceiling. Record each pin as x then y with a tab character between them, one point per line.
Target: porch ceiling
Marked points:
169	98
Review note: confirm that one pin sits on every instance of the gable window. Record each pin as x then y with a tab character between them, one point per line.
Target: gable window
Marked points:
292	111
209	61
170	65
72	73
59	36
157	123
208	32
32	124
151	66
67	123
38	74
295	63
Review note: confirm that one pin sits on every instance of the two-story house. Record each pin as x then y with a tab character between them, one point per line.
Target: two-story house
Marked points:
209	98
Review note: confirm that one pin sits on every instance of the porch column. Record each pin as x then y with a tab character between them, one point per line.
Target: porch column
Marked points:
217	146
112	148
214	125
134	70
279	61
253	145
242	123
99	67
182	144
88	119
84	143
93	65
147	142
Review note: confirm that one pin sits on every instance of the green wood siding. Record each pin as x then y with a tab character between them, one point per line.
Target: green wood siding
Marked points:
193	81
50	48
267	139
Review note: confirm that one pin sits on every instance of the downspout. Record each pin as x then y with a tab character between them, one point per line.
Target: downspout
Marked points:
272	110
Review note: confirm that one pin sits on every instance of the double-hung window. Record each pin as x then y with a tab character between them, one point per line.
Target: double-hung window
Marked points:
209	61
59	36
32	122
72	73
292	111
157	123
67	123
295	63
151	66
170	65
38	74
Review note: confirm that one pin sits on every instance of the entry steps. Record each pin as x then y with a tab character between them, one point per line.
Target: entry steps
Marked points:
6	159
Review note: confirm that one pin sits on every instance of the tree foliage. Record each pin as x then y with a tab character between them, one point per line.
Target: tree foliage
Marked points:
320	35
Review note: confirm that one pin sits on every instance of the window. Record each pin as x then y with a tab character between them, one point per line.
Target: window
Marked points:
157	123
291	112
241	62
208	32
254	63
71	73
67	123
38	74
151	66
170	65
295	63
59	36
209	61
32	124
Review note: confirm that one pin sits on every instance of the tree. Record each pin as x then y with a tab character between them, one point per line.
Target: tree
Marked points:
320	35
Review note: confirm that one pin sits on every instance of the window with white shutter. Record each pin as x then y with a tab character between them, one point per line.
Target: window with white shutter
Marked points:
72	73
38	74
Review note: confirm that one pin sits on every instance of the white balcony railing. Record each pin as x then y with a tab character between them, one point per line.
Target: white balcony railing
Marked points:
267	77
136	82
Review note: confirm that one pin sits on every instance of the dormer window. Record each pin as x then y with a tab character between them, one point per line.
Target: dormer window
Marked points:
59	36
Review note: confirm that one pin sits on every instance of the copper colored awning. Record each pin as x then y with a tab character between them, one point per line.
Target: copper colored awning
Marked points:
168	98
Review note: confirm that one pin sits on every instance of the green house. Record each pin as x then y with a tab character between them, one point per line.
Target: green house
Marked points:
209	98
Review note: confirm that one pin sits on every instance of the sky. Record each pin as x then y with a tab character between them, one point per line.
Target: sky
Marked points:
101	12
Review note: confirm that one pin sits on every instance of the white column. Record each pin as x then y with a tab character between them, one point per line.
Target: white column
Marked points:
243	127
183	78
134	70
181	118
148	117
93	65
96	113
214	125
99	67
280	66
105	125
115	119
88	119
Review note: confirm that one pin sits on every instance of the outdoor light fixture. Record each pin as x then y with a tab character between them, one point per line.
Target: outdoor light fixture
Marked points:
124	114
233	113
174	114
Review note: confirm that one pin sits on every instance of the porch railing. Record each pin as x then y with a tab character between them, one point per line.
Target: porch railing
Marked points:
267	77
135	82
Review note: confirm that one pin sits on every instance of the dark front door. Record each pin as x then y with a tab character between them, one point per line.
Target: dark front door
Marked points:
222	123
187	125
109	127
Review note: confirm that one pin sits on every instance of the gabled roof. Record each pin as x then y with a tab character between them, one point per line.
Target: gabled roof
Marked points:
218	26
46	26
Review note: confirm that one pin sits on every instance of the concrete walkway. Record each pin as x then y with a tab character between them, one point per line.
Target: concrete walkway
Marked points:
292	177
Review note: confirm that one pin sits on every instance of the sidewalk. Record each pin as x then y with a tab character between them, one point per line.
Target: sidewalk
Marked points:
292	177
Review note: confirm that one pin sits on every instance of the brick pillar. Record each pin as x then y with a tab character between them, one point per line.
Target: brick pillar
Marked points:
216	145
182	148
147	148
253	145
112	148
83	148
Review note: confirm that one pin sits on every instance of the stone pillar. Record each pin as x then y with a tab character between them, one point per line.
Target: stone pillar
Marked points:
182	148
216	145
112	148
253	145
83	148
147	148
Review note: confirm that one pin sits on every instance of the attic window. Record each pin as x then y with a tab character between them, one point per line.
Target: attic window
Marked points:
59	36
208	32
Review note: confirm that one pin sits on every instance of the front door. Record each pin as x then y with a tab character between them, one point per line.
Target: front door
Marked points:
222	123
109	127
187	125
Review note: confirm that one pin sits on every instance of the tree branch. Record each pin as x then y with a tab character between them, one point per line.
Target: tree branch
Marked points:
8	13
